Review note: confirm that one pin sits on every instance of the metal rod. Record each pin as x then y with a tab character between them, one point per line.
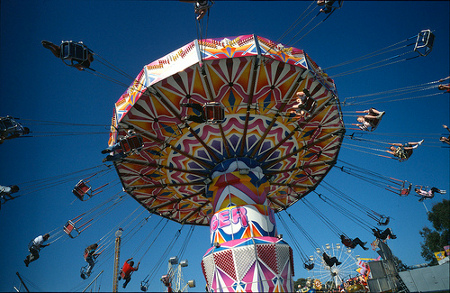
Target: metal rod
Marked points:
21	281
92	281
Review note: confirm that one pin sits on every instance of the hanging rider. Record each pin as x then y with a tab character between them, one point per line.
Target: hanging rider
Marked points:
351	243
127	270
90	256
383	235
34	247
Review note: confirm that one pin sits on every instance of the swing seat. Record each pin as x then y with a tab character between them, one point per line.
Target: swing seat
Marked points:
202	5
308	107
85	255
376	122
405	191
74	53
166	280
144	286
384	221
132	144
424	42
81	189
401	154
10	127
7	124
333	4
71	230
83	272
308	265
214	112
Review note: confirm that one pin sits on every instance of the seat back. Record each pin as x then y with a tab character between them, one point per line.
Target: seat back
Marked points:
131	144
81	189
71	230
74	52
424	42
7	124
214	112
310	105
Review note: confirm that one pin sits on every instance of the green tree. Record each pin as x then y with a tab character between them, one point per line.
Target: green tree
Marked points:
301	282
435	240
399	264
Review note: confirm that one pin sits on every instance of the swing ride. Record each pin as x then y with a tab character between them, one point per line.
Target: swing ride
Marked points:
191	172
238	161
83	188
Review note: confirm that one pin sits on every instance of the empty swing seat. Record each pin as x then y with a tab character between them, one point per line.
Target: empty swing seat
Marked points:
70	229
424	42
74	52
384	221
81	189
214	112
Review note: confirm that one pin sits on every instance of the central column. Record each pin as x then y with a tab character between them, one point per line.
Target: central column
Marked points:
245	254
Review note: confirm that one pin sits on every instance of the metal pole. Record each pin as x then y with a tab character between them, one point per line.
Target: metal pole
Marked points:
116	259
21	281
425	208
92	281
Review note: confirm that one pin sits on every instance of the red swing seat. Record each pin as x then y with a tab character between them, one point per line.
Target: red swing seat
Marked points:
71	230
214	112
81	189
131	144
405	191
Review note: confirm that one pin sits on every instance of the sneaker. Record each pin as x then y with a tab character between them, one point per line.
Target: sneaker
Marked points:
420	142
26	263
124	285
393	237
105	151
338	263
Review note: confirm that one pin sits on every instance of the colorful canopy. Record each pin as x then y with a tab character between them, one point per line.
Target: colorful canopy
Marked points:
255	82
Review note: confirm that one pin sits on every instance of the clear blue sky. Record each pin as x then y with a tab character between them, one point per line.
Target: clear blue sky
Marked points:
36	86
